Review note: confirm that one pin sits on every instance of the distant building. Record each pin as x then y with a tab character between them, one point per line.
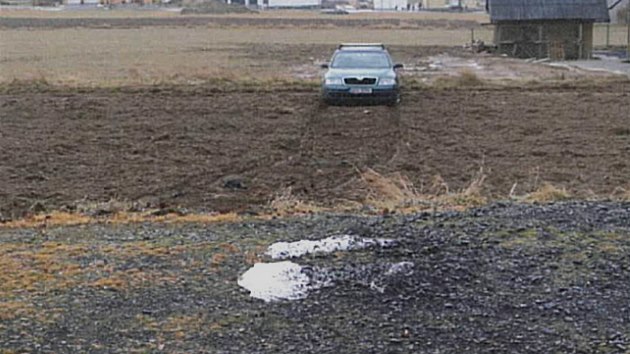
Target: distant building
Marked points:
81	2
109	2
287	3
391	4
559	29
442	4
278	4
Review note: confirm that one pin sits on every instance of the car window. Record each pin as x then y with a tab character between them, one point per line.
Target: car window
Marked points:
360	60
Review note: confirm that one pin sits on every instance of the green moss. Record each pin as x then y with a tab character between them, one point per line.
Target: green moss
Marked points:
519	238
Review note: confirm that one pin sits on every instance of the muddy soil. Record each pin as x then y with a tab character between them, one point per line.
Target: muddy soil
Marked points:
500	279
52	23
204	149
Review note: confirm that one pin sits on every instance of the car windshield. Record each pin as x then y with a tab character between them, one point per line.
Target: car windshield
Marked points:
361	60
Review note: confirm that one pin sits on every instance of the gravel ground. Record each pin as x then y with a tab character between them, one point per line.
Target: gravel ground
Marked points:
502	278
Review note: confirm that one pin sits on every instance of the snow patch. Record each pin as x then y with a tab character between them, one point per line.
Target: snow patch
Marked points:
286	280
281	281
405	268
276	281
284	250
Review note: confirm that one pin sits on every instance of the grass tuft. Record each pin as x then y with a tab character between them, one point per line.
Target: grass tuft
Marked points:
397	192
621	194
391	192
286	203
548	193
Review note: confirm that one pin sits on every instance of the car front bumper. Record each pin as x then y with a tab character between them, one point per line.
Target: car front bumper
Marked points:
378	95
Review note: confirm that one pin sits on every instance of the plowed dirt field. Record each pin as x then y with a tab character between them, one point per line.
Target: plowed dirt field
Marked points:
207	149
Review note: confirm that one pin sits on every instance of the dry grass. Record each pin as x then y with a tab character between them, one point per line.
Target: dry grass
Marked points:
149	56
255	256
183	323
28	269
72	219
51	219
118	13
286	203
392	192
396	193
621	194
181	55
10	310
51	266
547	193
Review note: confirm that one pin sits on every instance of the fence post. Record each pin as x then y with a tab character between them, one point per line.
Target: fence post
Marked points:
607	35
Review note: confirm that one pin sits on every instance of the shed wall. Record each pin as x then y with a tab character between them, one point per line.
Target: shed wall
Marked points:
565	40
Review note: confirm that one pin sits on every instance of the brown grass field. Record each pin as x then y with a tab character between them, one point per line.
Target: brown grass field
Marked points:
111	57
129	52
275	14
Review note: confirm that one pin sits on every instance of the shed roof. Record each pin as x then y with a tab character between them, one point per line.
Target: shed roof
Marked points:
532	10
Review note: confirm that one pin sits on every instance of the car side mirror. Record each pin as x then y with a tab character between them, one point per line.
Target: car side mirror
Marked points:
324	66
398	66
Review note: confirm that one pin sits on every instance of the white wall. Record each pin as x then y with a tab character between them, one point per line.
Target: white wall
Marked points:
292	3
390	4
440	4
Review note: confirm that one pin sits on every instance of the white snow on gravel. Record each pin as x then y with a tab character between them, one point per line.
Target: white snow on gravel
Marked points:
286	280
405	268
284	250
276	281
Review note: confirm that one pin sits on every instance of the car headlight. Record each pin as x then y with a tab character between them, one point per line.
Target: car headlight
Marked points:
333	81
387	82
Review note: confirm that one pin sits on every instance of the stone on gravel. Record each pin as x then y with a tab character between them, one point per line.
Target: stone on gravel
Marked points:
234	182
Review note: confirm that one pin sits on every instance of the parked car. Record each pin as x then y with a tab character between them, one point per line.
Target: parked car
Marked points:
361	73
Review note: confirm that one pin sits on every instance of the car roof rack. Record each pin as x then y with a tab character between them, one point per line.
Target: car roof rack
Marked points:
362	45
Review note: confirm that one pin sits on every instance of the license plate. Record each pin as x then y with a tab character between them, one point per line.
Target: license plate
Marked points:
360	90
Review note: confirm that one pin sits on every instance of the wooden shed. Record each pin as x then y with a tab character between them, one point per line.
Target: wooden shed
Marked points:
558	29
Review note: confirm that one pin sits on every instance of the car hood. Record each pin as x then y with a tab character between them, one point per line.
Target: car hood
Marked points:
334	73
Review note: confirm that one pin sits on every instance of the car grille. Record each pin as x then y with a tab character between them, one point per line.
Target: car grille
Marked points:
363	81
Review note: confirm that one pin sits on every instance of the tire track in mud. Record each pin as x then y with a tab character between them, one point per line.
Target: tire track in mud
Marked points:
336	138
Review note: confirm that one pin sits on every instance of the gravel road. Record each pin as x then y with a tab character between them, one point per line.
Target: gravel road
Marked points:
502	278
